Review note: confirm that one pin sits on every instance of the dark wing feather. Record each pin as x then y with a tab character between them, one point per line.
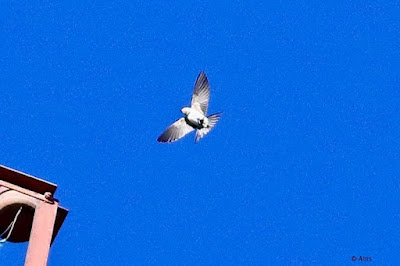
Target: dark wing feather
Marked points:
175	131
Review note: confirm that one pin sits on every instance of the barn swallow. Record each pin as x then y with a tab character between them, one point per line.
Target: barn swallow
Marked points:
195	116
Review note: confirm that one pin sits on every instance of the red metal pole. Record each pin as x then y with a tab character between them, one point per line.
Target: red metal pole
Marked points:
41	233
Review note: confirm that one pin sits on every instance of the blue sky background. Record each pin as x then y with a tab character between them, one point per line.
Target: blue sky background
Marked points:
303	167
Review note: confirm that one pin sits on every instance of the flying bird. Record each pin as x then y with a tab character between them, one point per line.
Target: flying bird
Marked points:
195	116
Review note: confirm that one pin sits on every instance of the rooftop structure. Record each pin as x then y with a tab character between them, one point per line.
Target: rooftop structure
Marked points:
29	212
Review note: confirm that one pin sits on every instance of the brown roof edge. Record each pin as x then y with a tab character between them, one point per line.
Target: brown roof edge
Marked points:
26	181
61	215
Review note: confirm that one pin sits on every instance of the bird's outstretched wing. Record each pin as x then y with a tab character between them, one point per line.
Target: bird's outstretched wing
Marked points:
201	94
175	131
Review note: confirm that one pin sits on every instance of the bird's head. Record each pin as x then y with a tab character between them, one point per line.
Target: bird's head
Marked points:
185	110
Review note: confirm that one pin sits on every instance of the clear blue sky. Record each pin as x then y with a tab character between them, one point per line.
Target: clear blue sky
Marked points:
302	168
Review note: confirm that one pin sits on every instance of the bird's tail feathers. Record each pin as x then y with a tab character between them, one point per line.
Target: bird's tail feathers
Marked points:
212	121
